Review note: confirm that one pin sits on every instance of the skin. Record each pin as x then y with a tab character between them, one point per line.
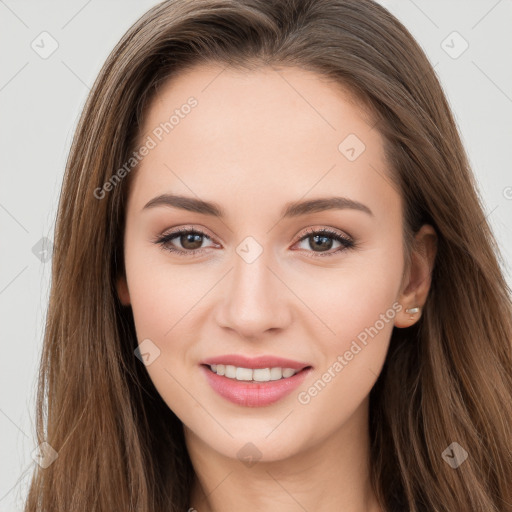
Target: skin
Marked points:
256	141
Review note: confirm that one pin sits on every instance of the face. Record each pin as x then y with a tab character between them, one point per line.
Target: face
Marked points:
256	273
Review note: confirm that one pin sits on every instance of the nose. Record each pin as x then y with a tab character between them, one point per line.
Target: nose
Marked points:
255	299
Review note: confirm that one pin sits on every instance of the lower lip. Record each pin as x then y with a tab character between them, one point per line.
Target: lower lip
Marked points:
253	394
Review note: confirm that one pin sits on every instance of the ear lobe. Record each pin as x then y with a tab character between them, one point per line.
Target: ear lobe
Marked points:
122	291
415	289
408	316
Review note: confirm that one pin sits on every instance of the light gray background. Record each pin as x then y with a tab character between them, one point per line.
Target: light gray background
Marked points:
41	99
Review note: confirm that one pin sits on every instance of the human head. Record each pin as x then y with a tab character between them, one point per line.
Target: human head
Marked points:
363	48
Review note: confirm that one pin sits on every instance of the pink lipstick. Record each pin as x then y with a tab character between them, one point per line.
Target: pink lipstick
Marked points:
254	382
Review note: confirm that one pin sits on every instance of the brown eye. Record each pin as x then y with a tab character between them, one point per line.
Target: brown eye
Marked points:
321	241
191	241
188	242
185	242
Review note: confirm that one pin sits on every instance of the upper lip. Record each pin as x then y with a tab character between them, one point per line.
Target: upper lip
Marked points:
265	361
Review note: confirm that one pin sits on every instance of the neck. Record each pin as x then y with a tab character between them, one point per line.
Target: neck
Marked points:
330	476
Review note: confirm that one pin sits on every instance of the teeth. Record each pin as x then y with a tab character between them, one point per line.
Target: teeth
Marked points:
243	374
261	374
276	373
249	374
230	371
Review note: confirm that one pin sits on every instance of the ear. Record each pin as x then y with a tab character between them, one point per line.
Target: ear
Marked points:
418	278
122	290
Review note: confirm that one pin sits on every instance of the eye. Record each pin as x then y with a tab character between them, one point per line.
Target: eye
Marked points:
323	239
191	241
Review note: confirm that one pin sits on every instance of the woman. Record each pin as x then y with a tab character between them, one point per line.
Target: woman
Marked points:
274	286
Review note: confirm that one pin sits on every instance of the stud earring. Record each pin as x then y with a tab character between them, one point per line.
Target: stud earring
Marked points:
413	311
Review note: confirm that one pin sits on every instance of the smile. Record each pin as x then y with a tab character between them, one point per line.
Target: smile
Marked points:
252	374
253	387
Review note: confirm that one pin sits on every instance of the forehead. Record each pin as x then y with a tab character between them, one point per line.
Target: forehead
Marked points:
273	94
251	132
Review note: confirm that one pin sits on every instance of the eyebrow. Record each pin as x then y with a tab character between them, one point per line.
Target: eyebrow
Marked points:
294	209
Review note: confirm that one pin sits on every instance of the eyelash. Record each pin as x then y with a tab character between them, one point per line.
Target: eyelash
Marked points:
165	239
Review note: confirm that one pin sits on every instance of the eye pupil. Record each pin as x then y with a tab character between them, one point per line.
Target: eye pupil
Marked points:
321	239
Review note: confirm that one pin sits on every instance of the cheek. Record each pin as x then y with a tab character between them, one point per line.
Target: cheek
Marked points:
352	360
359	306
363	300
160	292
355	296
162	299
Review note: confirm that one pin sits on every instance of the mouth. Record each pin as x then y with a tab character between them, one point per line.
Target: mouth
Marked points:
255	375
261	382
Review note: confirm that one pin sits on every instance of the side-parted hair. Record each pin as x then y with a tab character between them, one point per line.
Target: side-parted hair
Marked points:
446	379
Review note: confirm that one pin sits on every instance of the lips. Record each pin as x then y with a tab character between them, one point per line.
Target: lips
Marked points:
254	394
265	361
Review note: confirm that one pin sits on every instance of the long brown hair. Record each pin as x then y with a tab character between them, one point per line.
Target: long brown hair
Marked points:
446	379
